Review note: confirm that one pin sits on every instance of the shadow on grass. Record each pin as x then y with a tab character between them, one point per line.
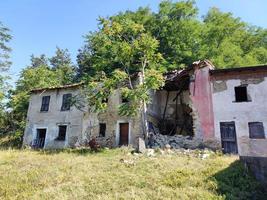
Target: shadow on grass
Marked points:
235	182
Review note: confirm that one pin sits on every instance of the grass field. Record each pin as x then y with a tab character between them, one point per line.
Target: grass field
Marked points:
118	174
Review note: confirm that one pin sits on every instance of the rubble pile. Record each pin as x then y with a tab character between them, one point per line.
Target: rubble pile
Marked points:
175	142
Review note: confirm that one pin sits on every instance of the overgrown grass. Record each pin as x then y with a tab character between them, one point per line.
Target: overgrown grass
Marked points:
118	174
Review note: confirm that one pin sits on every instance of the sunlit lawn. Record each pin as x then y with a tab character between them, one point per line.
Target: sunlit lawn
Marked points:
118	174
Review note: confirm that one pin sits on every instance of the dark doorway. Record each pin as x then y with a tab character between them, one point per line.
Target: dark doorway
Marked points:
228	137
124	133
40	138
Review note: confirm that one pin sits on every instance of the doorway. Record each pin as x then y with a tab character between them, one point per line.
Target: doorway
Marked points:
124	133
40	138
228	137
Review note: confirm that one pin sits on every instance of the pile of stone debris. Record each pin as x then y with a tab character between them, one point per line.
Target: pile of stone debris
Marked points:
158	140
176	141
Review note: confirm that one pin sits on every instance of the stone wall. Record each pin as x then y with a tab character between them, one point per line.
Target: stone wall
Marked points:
182	115
112	120
258	166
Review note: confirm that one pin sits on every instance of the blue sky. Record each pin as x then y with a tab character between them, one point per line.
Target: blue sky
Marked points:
38	26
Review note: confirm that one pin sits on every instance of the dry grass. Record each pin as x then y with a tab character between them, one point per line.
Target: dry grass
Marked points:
118	174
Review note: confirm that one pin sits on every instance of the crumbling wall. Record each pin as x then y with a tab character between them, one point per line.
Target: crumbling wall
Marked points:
201	96
171	113
112	119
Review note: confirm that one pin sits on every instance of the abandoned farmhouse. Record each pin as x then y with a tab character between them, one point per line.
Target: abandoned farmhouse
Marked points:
226	108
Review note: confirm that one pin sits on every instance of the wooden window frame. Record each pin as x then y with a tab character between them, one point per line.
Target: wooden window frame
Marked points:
258	135
62	137
45	104
66	104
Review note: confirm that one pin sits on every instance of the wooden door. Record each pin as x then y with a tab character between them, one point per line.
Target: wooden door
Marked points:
228	137
124	133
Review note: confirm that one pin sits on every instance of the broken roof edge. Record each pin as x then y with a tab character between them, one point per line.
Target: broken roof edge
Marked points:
58	87
238	69
169	76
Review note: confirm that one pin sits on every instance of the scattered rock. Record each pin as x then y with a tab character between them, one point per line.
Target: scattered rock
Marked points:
150	152
141	145
128	163
168	147
174	142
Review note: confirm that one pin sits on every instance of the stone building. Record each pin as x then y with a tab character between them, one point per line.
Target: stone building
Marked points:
240	114
212	107
53	123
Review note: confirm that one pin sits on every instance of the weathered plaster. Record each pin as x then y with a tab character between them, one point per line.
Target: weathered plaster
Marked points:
226	109
201	96
81	126
219	86
52	118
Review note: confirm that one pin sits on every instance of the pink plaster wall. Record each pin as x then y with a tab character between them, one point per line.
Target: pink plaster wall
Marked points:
201	96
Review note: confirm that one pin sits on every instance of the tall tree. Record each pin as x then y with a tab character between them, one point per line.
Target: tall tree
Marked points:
122	49
5	50
5	63
61	58
179	32
183	38
37	61
62	64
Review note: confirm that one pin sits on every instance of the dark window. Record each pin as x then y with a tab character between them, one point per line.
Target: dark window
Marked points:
66	102
124	100
45	103
62	129
256	130
241	94
102	129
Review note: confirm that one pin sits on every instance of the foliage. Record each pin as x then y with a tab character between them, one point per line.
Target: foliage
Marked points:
181	36
5	63
131	50
173	37
98	90
5	50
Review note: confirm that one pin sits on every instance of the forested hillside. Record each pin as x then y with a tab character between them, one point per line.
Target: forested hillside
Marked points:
131	41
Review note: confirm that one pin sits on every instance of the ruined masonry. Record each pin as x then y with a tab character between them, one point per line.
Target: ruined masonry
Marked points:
198	107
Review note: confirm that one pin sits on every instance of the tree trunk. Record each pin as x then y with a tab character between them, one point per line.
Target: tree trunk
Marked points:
144	113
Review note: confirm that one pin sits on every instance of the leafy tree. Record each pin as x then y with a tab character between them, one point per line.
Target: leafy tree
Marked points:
171	38
37	61
130	50
183	38
63	66
179	32
5	63
61	58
